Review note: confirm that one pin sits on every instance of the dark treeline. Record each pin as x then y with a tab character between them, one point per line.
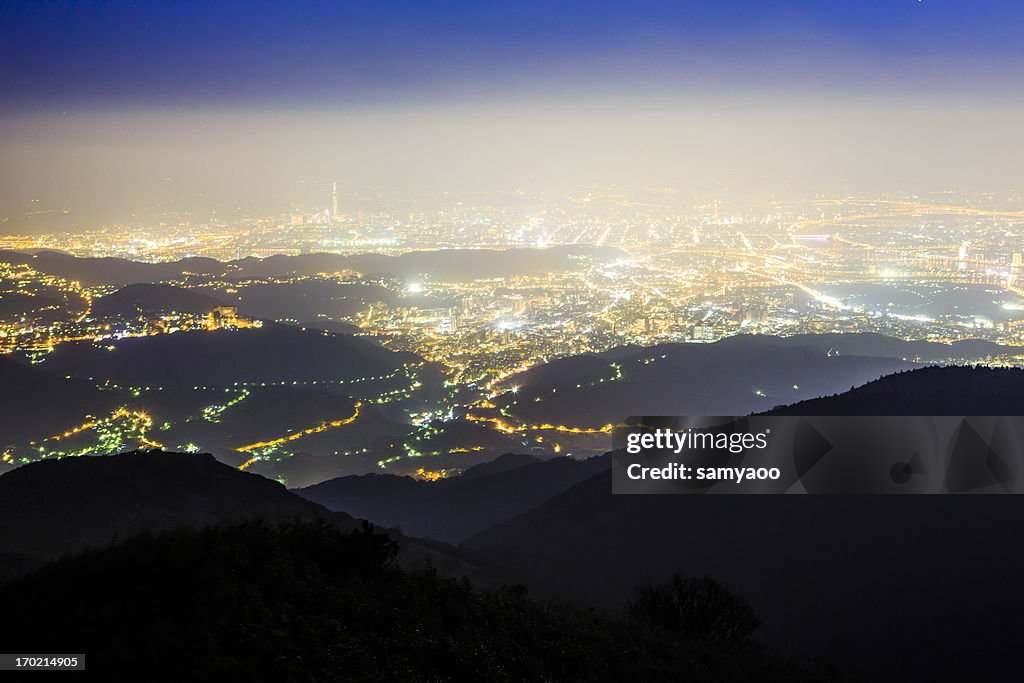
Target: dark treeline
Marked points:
306	601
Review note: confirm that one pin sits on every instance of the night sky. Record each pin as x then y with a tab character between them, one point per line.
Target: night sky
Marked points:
58	55
124	111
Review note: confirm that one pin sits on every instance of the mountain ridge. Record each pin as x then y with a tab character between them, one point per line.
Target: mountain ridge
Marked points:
455	508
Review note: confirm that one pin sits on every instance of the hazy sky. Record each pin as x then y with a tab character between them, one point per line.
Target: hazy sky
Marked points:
110	109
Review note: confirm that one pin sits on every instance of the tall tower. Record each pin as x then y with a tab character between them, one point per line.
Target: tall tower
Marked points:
334	201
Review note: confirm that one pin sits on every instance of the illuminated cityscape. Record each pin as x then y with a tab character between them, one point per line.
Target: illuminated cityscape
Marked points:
638	270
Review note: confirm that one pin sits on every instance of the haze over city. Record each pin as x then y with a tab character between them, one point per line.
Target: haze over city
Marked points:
122	114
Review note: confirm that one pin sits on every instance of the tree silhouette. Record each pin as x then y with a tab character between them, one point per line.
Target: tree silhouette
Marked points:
694	609
306	601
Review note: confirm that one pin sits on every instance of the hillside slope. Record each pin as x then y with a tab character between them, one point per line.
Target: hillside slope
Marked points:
735	376
147	298
55	507
274	353
37	403
927	391
456	508
880	585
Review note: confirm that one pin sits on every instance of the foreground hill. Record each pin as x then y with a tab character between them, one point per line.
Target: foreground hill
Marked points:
838	578
456	508
735	376
54	507
309	602
881	585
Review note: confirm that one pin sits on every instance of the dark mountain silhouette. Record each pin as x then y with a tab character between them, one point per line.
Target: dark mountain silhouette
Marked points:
91	272
315	300
881	585
454	509
500	465
884	586
136	299
308	466
306	601
35	402
52	508
447	265
274	353
307	300
881	346
735	376
926	391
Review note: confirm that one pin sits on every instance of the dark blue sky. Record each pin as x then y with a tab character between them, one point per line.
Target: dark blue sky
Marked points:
60	55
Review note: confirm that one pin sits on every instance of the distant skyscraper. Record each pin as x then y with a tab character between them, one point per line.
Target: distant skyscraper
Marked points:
962	263
334	201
